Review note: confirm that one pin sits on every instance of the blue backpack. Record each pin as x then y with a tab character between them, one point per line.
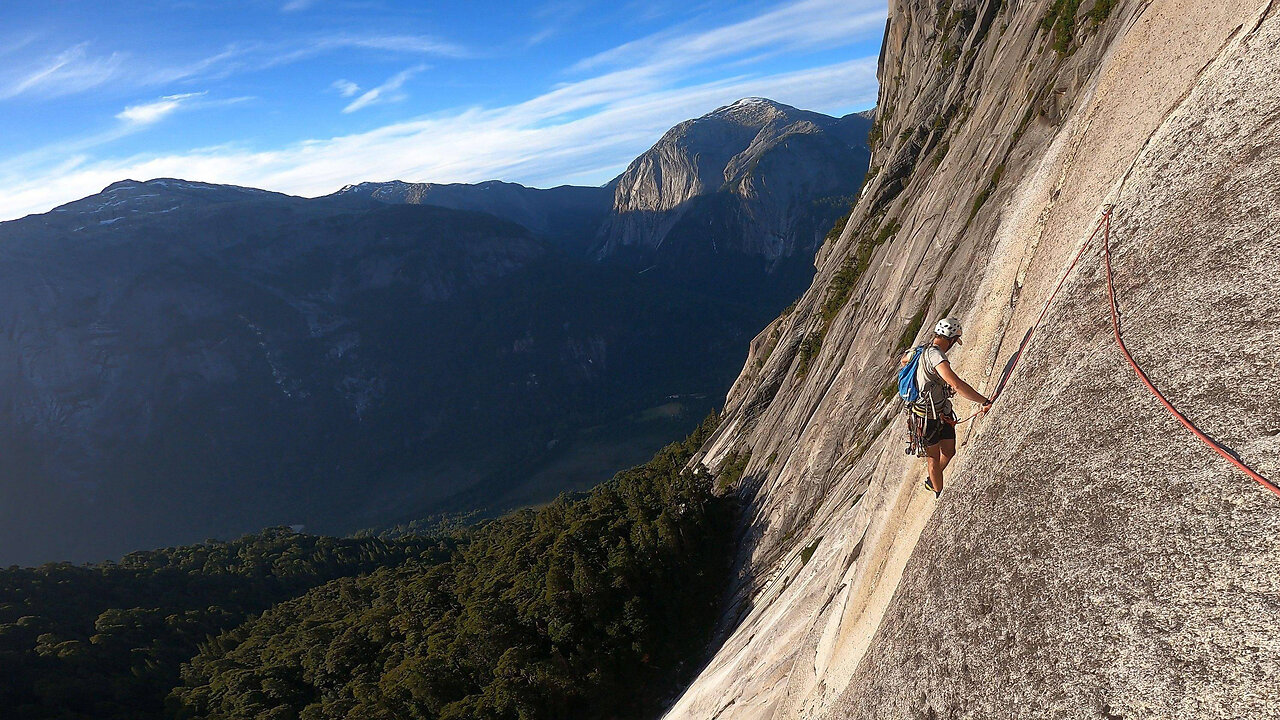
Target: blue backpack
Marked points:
907	388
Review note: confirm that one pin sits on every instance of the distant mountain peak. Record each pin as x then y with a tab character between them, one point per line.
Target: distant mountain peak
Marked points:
755	102
773	158
141	198
754	111
177	184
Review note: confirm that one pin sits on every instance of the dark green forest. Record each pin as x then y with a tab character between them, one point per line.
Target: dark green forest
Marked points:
107	641
598	605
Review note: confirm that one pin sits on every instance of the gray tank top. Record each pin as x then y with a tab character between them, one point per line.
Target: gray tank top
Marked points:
935	393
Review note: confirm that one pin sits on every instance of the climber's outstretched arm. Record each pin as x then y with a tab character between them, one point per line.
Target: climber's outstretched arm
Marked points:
962	388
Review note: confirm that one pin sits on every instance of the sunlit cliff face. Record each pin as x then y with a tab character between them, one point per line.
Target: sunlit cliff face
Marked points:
1082	561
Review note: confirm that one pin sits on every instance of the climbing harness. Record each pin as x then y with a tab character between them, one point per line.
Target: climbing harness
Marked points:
1104	227
912	396
917	425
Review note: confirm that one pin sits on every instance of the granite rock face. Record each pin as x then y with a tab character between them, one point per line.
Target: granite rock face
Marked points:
758	162
1089	557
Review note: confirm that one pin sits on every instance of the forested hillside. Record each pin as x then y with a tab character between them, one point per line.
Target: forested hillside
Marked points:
597	605
106	641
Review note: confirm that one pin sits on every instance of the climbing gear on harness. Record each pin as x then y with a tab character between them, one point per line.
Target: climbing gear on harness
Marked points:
1104	227
948	328
909	391
912	395
916	421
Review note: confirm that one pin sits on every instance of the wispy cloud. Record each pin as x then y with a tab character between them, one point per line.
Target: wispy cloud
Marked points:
252	57
152	112
219	65
296	5
286	53
70	71
345	88
807	24
15	43
554	15
76	69
386	92
541	36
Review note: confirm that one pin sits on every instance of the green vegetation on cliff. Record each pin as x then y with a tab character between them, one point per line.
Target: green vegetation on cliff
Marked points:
841	289
1060	21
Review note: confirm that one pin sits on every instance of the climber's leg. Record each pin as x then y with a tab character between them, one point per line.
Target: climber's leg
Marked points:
936	465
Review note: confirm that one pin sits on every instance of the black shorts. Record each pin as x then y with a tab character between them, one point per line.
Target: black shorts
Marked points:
935	431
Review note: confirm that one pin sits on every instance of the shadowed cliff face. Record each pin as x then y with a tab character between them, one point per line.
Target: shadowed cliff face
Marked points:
183	360
567	215
178	358
1089	558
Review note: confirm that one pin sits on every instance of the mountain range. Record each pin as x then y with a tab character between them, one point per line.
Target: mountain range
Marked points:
185	360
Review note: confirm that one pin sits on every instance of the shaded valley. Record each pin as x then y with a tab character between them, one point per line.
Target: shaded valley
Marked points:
185	360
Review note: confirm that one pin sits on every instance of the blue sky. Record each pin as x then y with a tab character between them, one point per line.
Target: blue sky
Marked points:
305	96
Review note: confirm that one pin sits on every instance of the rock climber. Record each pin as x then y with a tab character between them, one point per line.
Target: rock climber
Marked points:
937	383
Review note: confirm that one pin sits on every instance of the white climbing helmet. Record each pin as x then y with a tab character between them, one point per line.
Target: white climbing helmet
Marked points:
948	328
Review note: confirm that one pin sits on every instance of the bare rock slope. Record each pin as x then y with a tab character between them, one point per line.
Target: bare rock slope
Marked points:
765	168
1090	558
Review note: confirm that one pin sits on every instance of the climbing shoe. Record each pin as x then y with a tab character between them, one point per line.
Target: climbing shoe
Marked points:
928	483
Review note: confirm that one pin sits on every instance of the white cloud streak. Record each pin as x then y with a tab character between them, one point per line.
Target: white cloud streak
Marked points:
70	71
345	88
15	43
288	53
76	70
386	92
153	112
801	25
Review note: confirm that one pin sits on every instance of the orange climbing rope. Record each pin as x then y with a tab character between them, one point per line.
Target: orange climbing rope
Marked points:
1104	225
1115	325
